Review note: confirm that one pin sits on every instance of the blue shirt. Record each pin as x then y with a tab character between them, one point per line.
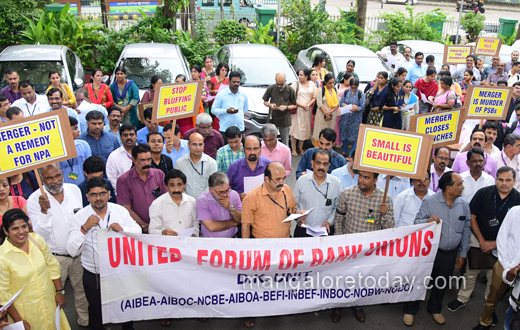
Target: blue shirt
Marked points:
174	155
70	113
75	165
226	99
109	130
239	169
83	121
305	163
415	72
344	176
103	146
143	132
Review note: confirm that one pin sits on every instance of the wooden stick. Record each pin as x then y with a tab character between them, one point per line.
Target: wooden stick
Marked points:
386	189
44	194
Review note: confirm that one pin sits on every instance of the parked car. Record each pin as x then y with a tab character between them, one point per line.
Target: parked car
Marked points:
258	65
144	60
404	2
243	10
33	62
368	64
426	47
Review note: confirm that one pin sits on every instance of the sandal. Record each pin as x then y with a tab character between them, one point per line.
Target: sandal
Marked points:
165	323
250	322
294	153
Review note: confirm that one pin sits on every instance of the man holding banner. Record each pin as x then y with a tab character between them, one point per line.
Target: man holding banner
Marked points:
446	206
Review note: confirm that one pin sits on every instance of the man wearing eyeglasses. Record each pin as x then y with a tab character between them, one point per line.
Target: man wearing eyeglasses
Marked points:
212	138
51	215
441	159
498	75
55	99
219	209
492	68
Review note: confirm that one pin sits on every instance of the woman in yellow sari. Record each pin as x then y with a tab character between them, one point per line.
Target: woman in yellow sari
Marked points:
327	101
26	262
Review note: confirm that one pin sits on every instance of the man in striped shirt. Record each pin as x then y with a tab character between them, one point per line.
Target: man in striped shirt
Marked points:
231	151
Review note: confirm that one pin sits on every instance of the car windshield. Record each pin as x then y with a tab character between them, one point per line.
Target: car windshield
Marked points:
141	70
366	67
260	72
36	72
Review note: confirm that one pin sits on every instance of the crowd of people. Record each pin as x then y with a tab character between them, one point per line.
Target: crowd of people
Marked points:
133	175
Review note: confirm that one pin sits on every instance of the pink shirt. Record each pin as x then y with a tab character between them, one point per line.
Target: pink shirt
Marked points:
281	153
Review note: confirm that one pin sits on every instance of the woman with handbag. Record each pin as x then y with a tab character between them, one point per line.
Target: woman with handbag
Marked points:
469	79
445	98
327	106
301	119
378	95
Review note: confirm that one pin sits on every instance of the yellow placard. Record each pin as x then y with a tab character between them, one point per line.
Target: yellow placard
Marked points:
176	101
34	142
456	54
390	151
488	46
442	125
487	102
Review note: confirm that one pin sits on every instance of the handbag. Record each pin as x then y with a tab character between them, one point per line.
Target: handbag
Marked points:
480	260
293	111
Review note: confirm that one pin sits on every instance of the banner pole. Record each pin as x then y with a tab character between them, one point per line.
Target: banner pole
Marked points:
44	194
386	188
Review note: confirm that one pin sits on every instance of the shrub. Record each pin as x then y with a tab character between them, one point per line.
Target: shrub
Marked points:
472	24
230	32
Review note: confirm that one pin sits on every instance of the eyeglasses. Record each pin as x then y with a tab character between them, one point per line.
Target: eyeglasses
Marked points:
204	128
220	193
54	98
443	158
101	194
282	180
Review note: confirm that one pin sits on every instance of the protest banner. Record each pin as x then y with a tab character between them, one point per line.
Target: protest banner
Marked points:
487	102
444	126
456	54
140	110
156	277
35	141
487	46
176	101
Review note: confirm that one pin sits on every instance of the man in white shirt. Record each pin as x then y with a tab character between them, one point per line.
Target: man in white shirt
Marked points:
441	159
475	178
509	155
100	214
406	61
51	215
513	74
396	185
391	57
120	160
175	211
31	103
407	203
197	166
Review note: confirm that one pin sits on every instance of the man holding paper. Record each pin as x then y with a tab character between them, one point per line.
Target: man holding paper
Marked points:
318	191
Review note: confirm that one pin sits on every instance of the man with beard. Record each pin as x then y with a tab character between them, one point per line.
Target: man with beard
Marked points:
509	155
51	214
73	167
318	191
441	158
251	165
30	103
114	123
140	186
361	209
101	143
160	161
407	203
82	239
120	160
11	91
55	99
212	138
478	140
475	178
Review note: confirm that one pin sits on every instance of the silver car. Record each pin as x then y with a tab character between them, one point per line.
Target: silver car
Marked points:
144	60
33	62
368	64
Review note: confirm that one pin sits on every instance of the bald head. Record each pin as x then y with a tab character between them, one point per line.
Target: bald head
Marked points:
195	138
252	140
280	80
196	145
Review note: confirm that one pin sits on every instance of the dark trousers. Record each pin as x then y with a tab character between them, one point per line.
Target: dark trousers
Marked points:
92	287
442	267
302	232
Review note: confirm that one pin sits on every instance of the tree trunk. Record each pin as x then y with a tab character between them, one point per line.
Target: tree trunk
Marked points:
184	18
518	34
104	16
361	18
221	10
169	11
193	16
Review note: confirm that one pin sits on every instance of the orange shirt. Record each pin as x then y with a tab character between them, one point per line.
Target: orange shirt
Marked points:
265	216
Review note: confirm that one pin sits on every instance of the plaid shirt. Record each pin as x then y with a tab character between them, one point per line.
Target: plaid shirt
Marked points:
226	156
353	209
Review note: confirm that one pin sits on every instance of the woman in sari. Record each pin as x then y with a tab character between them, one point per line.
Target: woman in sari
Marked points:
98	92
378	95
208	71
126	97
328	102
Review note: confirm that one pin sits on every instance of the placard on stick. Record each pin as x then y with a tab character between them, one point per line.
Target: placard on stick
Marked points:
176	101
487	102
34	142
393	152
444	126
140	110
456	54
487	46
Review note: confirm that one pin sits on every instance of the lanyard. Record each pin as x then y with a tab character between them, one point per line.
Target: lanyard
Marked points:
108	222
201	173
285	198
434	188
71	164
505	164
326	193
501	207
34	108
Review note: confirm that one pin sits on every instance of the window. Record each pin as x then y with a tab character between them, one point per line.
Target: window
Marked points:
208	3
71	65
313	53
227	3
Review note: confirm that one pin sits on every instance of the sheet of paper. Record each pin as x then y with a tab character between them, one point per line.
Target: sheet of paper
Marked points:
10	302
409	107
14	326
57	318
210	98
424	98
222	87
296	216
316	231
308	171
391	61
251	182
346	109
186	232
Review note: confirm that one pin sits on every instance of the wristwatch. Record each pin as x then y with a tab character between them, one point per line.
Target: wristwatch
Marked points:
62	291
232	208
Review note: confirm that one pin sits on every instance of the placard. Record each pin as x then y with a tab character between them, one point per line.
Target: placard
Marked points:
490	102
393	152
456	54
35	141
487	46
444	126
176	101
140	110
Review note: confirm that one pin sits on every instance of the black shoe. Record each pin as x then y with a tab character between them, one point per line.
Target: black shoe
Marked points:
480	327
455	305
494	322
